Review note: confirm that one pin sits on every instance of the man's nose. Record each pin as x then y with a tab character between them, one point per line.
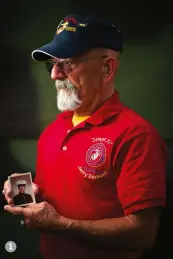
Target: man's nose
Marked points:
57	74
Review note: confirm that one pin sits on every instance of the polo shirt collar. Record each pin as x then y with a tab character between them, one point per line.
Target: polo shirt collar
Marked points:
111	107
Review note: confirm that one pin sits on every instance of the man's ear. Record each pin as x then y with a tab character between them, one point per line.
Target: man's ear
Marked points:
110	68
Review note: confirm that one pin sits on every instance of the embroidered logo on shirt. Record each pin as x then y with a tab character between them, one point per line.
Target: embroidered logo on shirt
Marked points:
95	160
96	155
91	173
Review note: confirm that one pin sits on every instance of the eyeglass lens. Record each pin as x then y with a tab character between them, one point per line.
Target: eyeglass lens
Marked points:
62	66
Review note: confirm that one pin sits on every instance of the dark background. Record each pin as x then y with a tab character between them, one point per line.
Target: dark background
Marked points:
28	99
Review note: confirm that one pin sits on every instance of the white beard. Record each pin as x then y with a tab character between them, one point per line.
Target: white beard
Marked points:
67	96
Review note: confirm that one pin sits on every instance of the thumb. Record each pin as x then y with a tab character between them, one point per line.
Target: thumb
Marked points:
35	188
14	210
27	212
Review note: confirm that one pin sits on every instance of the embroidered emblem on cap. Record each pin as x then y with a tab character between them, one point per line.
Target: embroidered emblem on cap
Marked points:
61	27
96	155
70	19
64	26
82	24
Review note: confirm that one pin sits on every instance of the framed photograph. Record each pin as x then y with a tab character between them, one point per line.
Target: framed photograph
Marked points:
21	189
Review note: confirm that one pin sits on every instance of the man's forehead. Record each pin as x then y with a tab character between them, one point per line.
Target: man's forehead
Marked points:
92	52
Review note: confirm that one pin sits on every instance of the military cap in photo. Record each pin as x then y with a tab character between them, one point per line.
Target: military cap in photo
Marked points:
21	182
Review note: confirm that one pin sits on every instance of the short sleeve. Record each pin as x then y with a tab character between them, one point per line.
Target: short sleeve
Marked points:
142	175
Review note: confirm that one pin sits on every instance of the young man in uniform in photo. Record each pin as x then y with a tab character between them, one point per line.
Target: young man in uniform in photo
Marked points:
100	165
22	197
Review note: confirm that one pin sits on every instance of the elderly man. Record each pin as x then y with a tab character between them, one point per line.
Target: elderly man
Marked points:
22	197
100	166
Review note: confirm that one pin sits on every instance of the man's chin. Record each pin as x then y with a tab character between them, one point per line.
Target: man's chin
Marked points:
67	103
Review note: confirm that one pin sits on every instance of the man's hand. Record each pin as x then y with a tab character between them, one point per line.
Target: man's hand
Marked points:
40	216
7	190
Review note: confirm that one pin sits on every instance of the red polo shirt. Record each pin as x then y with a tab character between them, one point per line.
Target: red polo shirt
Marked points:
110	165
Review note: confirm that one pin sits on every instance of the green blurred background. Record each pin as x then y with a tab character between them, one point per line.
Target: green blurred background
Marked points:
28	96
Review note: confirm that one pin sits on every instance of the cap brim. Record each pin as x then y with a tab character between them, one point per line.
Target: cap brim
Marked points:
59	49
44	52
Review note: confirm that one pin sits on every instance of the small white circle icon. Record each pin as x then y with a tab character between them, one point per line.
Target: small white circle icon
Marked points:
10	246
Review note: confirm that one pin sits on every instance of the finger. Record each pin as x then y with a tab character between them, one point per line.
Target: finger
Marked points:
27	212
8	199
10	204
8	191
7	195
7	187
35	188
14	210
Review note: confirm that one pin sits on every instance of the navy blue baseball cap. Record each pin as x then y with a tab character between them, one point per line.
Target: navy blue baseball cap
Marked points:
77	34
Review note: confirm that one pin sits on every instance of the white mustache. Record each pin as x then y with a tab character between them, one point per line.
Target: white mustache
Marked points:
64	84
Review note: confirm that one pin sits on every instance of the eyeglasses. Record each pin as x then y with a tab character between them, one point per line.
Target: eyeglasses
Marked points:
66	66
